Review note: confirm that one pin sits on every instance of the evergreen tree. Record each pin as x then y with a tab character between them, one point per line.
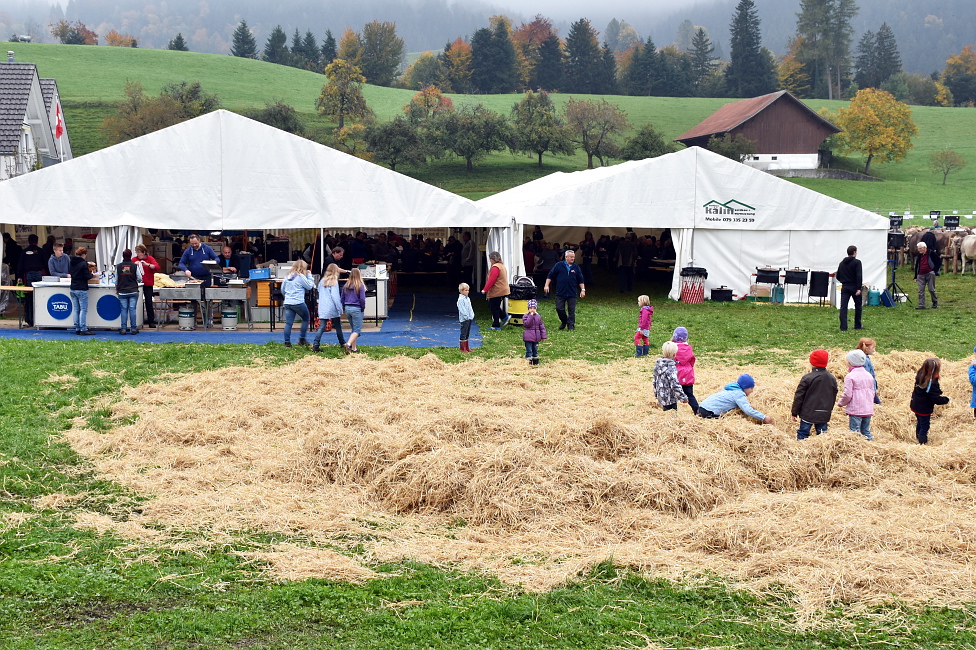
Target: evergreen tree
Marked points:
243	44
548	74
382	53
675	78
683	40
632	80
607	77
310	48
493	64
611	35
865	75
889	60
702	65
297	48
328	48
825	26
749	74
178	44
583	59
481	60
276	48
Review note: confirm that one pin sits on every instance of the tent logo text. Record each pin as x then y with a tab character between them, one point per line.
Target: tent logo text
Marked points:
731	211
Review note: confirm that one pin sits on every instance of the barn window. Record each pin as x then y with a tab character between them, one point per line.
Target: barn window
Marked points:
775	157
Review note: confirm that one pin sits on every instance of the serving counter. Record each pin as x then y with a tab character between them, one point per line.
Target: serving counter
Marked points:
53	306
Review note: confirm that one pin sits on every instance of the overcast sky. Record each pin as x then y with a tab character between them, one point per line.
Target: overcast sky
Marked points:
576	8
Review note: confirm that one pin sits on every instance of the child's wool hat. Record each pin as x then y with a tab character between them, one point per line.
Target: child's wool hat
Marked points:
746	381
533	303
680	334
856	358
819	358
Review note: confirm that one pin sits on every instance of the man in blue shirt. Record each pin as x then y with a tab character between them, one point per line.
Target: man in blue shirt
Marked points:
191	263
568	277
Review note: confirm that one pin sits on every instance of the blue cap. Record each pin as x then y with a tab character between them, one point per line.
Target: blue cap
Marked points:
746	381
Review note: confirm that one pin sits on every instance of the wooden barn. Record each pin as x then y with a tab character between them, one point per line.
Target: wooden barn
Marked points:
787	133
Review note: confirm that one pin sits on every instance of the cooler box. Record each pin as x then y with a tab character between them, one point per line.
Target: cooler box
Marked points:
517	309
260	274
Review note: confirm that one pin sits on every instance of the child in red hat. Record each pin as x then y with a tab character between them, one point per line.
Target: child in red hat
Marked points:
814	398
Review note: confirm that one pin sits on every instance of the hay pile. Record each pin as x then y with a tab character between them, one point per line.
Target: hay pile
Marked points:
536	474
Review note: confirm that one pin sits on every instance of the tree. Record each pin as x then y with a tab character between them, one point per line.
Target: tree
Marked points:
620	36
537	127
593	125
646	143
396	142
877	58
493	59
328	48
427	70
75	33
457	59
528	40
243	43
279	115
138	114
583	59
825	26
686	34
792	72
428	103
675	77
471	133
733	147
876	125
342	95
749	74
548	74
702	59
115	39
959	76
946	161
310	50
382	53
350	48
178	44
276	47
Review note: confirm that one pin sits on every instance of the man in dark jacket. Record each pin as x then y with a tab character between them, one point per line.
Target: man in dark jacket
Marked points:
927	264
849	277
30	269
814	398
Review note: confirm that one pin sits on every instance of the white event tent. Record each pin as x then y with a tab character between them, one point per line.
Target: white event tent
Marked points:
222	171
724	216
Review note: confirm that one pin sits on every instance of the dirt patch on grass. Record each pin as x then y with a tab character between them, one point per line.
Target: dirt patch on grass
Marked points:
537	474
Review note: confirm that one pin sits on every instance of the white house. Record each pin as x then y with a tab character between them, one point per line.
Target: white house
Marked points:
32	126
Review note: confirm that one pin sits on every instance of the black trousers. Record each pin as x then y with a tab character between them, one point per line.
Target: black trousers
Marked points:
690	392
845	296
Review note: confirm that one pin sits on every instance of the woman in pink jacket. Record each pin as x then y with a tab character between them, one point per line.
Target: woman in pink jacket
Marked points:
686	366
858	394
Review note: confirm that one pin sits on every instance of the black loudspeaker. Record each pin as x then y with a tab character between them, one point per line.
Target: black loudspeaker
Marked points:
896	240
819	284
279	250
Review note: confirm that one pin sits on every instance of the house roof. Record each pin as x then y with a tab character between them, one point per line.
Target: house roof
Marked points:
48	88
15	86
735	114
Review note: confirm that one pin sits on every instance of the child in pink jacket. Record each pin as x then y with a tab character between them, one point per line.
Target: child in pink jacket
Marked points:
686	366
858	394
641	340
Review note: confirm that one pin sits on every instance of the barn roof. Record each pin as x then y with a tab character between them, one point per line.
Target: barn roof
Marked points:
738	113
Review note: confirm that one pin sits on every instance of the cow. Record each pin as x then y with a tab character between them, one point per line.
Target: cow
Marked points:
967	250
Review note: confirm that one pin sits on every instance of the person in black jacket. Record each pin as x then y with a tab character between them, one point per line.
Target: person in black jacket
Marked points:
815	397
80	275
30	269
927	264
128	275
926	395
849	277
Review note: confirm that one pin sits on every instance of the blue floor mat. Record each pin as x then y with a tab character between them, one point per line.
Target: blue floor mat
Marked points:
423	320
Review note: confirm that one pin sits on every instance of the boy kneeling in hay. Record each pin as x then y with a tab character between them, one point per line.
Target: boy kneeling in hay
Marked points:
734	395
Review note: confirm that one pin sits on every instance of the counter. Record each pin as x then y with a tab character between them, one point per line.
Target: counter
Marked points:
53	306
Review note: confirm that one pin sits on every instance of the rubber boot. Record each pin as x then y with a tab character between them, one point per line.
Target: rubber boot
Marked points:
465	346
535	361
640	351
647	350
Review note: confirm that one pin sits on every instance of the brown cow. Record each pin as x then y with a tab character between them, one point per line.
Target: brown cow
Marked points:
967	250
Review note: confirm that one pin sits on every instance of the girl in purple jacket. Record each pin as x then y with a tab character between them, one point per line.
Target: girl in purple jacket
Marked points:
641	341
534	331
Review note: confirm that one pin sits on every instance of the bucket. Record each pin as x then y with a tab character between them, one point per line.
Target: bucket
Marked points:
188	319
517	309
228	319
874	297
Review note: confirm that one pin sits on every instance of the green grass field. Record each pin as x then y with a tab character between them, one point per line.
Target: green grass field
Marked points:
61	587
90	78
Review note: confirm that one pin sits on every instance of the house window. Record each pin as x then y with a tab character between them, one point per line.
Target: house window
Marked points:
775	157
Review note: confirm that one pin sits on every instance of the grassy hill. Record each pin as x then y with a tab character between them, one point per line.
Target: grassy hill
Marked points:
92	78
